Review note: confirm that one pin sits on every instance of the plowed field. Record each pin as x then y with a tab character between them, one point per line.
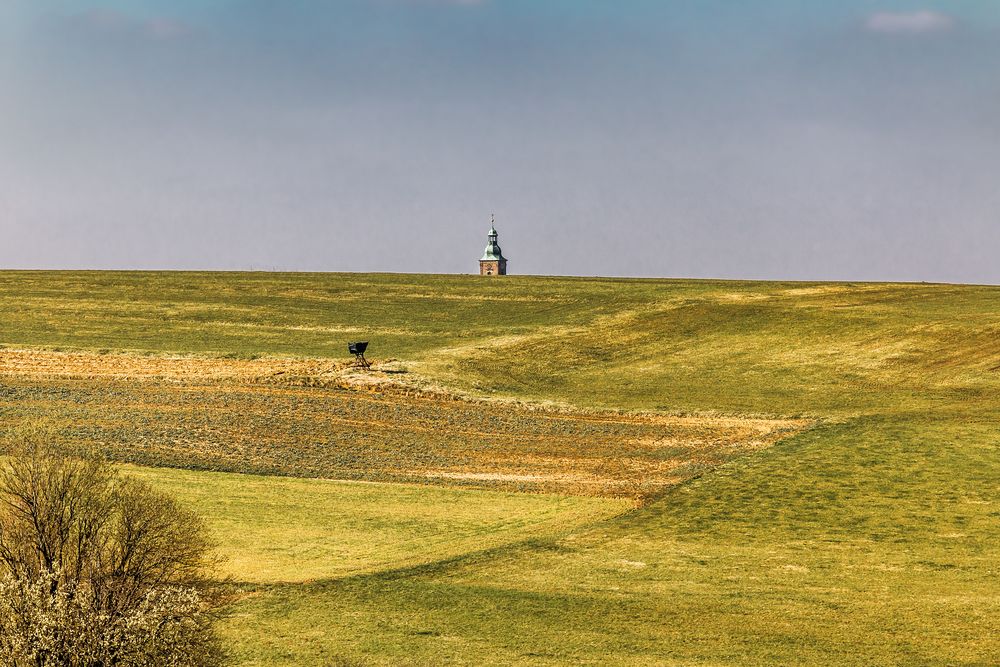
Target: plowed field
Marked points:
218	416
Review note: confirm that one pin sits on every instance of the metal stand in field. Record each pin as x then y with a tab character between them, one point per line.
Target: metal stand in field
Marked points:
358	350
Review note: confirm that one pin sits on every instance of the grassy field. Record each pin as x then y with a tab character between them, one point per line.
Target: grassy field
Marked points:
280	530
871	538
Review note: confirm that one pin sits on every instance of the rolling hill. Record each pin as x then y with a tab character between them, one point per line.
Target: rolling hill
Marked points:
864	530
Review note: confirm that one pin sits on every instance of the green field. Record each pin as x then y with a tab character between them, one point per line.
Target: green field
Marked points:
872	537
280	530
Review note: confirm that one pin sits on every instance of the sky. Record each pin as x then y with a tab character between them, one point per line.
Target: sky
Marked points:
774	139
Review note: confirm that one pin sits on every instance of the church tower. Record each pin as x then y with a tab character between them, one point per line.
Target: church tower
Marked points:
493	262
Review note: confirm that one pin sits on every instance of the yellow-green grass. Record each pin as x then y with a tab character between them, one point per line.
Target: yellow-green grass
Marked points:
869	543
731	346
278	529
872	539
249	314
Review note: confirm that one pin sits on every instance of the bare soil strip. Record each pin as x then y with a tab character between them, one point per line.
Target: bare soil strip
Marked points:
253	416
49	364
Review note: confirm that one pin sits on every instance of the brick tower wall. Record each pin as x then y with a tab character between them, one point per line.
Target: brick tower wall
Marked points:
489	268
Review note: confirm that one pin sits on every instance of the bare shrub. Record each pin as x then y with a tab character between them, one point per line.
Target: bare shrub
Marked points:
96	569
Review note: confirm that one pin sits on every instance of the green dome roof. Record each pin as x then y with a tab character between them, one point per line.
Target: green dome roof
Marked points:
492	251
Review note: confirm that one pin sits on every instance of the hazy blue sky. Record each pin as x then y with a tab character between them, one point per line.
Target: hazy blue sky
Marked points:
811	139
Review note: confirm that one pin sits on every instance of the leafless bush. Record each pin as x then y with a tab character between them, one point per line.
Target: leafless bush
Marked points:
96	569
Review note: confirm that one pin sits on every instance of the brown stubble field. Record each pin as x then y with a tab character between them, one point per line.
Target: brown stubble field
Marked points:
316	418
